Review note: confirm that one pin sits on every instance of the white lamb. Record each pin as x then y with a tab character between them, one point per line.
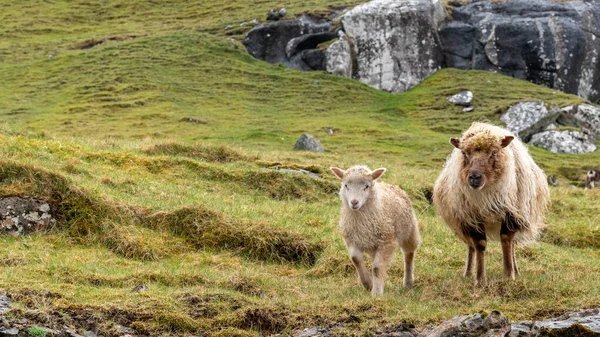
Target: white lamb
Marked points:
375	219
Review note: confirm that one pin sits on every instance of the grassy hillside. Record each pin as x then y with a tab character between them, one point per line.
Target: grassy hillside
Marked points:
227	244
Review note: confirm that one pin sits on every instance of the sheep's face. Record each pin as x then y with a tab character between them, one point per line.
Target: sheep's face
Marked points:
357	185
482	158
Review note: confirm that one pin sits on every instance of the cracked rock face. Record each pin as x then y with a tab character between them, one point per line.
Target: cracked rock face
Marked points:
338	58
291	42
479	324
23	216
396	42
527	118
570	142
556	44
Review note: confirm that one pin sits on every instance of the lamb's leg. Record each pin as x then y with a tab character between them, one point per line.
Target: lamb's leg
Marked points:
470	260
409	268
381	260
507	235
359	263
479	242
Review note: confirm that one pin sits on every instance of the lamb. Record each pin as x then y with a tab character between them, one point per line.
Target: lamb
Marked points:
376	218
490	188
592	177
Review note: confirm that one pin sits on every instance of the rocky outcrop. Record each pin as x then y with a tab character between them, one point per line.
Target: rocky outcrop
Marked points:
338	57
578	323
571	142
308	142
481	324
23	216
488	324
584	116
528	118
556	44
291	42
396	42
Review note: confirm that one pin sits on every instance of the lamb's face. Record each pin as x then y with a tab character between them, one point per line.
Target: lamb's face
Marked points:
482	158
356	190
357	185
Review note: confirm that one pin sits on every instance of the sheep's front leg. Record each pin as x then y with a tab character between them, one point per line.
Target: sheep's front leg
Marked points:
469	263
479	244
381	260
359	263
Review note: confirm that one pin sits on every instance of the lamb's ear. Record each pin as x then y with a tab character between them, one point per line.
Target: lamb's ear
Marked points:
455	142
507	140
377	173
338	172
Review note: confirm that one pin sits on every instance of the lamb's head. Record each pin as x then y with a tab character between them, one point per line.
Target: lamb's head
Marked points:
358	185
483	157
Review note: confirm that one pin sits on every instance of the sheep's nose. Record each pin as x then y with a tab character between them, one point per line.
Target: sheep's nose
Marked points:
354	202
475	179
474	175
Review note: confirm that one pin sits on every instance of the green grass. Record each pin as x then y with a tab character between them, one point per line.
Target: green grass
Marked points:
227	244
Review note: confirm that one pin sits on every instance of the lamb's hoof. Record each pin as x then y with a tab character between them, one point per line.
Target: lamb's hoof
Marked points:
409	285
482	284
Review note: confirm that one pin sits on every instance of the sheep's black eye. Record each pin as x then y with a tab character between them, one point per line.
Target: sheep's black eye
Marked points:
366	187
346	185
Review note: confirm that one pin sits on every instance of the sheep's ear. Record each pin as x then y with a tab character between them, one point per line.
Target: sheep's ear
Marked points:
338	172
507	140
455	142
377	173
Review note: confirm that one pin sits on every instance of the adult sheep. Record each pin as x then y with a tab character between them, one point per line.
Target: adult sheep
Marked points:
376	218
490	188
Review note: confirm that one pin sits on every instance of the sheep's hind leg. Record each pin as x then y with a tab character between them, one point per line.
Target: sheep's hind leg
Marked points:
515	260
507	235
381	260
359	263
409	268
470	261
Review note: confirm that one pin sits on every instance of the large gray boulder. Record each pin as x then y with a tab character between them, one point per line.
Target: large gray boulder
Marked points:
338	57
527	118
463	98
483	324
584	116
569	142
291	42
556	44
396	42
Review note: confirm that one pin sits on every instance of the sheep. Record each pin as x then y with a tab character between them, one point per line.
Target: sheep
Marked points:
376	218
490	188
592	177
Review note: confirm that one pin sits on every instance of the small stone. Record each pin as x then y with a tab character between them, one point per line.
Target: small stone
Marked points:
140	288
45	208
89	333
468	109
228	27
4	304
307	142
6	332
463	98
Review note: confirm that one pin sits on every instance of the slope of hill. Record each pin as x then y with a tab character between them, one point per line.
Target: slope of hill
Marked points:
226	243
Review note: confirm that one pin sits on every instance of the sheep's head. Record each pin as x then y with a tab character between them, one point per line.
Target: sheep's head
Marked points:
357	184
482	157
